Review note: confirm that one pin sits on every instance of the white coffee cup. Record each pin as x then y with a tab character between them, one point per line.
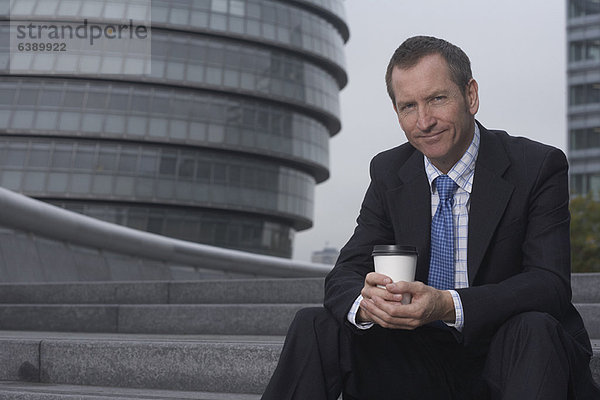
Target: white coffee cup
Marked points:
398	263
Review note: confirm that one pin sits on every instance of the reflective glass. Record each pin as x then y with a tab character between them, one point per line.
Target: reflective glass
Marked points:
34	181
581	8
46	7
102	184
7	95
158	127
115	124
178	129
22	119
92	122
50	97
136	125
39	156
80	183
84	158
11	180
185	116
74	98
28	97
124	186
69	121
240	231
128	161
46	120
61	156
58	182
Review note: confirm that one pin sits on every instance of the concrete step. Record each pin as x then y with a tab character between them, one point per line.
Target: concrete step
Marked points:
204	363
586	288
595	362
218	364
591	317
240	291
233	319
44	391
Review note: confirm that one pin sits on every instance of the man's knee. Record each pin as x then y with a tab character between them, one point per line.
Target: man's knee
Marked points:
536	329
531	321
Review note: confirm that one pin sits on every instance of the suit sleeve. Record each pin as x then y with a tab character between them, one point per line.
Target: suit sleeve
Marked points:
345	282
542	281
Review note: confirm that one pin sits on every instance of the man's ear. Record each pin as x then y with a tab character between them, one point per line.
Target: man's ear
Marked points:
472	96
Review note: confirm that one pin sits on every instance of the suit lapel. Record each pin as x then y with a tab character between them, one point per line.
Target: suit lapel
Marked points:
489	198
411	214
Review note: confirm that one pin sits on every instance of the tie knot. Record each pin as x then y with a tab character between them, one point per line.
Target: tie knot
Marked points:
445	187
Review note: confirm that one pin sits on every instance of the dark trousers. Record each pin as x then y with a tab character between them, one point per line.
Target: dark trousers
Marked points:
530	357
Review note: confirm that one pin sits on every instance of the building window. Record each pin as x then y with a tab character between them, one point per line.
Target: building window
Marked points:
588	50
586	138
584	94
581	8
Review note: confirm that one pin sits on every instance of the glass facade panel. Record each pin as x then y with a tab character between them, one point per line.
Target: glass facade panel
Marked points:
115	124
585	138
80	183
92	122
587	50
581	8
236	182
124	186
46	120
102	185
583	38
258	126
69	121
34	181
158	127
49	97
57	182
22	119
584	94
232	230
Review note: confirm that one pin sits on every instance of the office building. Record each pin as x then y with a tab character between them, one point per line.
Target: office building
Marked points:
328	255
583	77
222	142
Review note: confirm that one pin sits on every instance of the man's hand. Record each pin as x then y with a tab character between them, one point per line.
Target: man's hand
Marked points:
383	307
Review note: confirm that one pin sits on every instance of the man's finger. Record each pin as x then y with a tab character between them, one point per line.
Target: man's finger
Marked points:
383	319
375	279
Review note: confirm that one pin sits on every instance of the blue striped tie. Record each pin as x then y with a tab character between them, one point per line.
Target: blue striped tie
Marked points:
441	267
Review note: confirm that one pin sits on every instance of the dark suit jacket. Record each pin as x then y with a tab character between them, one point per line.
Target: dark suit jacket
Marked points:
518	246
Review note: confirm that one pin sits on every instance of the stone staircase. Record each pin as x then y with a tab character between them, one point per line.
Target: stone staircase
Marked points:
203	340
586	297
199	340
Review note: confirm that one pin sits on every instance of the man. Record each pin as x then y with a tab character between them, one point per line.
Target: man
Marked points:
491	313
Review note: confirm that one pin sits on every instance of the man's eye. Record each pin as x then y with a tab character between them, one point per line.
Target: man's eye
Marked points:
439	98
407	107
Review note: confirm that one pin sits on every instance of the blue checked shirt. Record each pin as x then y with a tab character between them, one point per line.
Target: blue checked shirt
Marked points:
461	173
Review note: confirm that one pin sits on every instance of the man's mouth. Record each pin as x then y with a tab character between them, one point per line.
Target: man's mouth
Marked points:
432	135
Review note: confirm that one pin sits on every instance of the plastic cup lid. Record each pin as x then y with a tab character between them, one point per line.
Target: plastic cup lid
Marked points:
393	249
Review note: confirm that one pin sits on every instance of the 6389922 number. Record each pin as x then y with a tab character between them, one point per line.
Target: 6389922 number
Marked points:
42	46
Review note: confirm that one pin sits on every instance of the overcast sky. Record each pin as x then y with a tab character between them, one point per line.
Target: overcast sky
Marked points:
518	56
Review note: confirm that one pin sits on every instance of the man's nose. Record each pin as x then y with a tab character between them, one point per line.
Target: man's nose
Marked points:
425	120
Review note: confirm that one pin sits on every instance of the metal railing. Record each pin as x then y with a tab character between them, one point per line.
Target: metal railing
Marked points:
34	216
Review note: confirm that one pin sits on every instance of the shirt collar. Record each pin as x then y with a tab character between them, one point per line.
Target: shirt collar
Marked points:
462	172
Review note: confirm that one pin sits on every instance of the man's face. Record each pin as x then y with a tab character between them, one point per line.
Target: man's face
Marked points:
435	114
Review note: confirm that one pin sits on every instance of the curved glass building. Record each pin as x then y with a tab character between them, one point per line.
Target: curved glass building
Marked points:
583	37
220	142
